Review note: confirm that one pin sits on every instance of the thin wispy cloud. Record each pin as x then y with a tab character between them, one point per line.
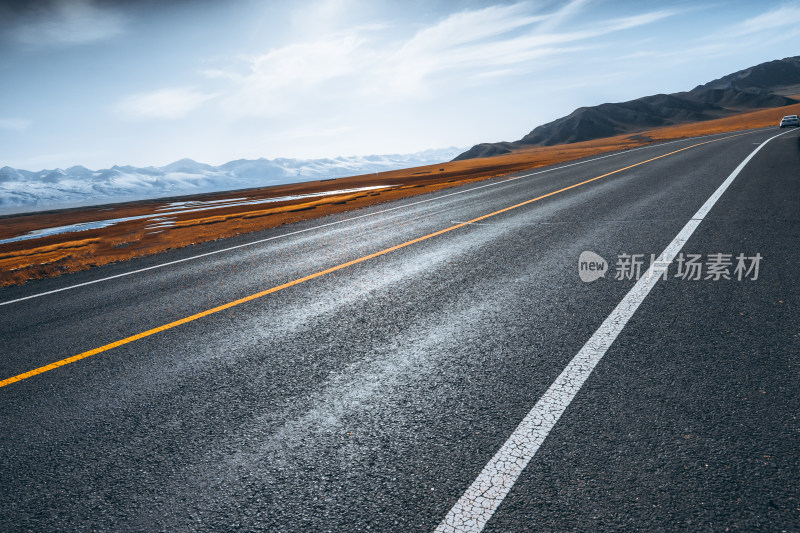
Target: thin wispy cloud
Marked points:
785	16
14	124
469	39
172	103
572	9
480	45
691	53
460	42
769	28
277	81
67	22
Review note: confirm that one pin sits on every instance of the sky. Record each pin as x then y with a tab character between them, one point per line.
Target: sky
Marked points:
101	82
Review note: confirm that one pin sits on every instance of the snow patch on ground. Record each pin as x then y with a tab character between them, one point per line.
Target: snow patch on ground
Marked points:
160	219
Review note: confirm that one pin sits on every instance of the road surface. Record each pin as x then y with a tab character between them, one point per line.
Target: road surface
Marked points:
362	372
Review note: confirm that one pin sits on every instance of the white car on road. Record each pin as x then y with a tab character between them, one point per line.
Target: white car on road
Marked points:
790	120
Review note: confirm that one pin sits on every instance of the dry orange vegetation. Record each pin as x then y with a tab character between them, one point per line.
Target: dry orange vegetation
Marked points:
67	252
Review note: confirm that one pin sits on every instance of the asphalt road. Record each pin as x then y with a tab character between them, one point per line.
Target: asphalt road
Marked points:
370	398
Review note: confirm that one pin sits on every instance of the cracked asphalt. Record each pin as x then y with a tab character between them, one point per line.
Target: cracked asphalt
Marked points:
372	397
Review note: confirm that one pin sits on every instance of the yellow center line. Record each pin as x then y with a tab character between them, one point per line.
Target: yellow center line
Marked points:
192	318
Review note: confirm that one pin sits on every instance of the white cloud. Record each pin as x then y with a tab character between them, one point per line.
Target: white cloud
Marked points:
462	42
556	19
305	64
169	103
362	64
786	15
276	81
68	22
689	55
14	124
468	27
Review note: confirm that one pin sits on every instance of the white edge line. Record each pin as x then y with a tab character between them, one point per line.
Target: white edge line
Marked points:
479	502
261	241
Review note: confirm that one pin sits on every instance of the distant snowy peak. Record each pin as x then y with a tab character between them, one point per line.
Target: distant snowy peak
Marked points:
78	170
10	174
187	165
23	190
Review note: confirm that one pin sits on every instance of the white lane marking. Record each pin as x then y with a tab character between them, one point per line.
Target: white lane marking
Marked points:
261	241
562	222
477	505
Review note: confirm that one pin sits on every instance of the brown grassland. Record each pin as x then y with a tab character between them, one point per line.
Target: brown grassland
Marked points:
68	252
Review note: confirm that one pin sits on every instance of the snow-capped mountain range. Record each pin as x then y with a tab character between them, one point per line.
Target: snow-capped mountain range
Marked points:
23	190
